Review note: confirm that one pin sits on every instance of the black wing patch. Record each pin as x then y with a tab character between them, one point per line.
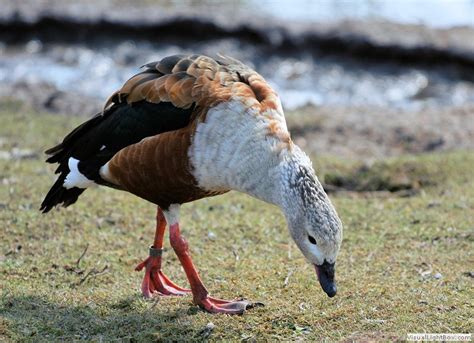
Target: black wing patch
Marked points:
96	141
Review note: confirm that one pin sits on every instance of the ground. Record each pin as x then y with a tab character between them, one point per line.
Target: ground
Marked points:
406	263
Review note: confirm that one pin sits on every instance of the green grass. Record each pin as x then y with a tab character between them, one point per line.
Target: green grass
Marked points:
393	246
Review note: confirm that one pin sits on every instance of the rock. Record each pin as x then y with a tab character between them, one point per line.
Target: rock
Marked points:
207	330
211	235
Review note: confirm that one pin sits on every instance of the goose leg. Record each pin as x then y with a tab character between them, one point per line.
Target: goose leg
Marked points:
200	294
154	281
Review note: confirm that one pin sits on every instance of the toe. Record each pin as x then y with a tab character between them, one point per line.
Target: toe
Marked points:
214	305
146	285
237	306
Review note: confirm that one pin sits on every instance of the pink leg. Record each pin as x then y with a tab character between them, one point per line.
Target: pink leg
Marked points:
154	281
200	294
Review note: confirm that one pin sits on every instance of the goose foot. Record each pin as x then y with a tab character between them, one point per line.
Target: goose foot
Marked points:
155	282
200	294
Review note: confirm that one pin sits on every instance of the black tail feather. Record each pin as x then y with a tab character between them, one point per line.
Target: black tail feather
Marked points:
60	154
60	195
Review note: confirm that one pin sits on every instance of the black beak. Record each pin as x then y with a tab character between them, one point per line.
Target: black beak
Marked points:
325	274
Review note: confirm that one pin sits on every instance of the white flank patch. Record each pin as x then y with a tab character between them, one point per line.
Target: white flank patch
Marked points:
75	178
104	172
172	214
102	147
232	149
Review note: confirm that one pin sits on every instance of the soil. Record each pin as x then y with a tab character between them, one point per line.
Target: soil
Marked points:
374	133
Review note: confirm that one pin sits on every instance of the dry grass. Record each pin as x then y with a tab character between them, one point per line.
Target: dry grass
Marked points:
387	270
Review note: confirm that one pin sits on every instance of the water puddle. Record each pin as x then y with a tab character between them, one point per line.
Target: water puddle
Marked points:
434	13
300	80
302	74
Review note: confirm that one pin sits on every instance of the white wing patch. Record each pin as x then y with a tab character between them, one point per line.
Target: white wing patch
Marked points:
75	178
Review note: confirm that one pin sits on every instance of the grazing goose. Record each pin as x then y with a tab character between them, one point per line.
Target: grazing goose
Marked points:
189	127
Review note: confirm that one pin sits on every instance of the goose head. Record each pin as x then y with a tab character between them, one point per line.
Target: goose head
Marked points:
312	220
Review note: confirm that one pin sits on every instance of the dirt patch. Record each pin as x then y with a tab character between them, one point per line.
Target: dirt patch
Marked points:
404	180
44	97
375	133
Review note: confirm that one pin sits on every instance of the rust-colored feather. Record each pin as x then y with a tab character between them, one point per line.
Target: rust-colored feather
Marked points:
137	169
196	79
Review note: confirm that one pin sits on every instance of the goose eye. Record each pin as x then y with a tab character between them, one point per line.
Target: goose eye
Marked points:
311	239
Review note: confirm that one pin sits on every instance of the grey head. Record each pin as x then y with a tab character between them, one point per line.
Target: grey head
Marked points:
312	220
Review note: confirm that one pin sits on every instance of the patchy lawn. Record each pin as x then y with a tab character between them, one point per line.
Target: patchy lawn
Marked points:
406	263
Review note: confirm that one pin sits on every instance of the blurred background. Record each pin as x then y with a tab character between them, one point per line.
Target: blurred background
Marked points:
365	79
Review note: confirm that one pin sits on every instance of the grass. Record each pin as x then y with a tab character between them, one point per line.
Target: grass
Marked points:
393	248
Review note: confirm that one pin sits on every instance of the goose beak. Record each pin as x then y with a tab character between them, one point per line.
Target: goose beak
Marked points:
325	274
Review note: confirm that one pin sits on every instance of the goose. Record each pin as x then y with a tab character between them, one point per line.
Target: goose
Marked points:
189	127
